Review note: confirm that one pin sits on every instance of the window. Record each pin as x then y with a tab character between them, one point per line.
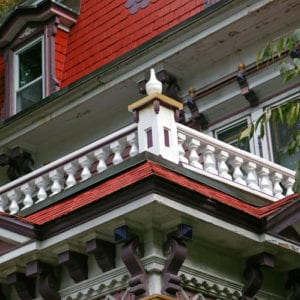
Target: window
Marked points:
29	75
231	133
280	137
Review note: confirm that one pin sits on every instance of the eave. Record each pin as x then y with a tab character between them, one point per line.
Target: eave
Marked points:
17	18
138	177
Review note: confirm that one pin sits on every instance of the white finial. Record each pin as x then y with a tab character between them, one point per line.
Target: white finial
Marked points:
153	85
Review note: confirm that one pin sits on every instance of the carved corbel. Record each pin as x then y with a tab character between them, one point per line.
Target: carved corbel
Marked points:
47	283
176	252
24	286
2	296
253	274
130	253
293	284
104	253
19	162
197	117
76	263
249	95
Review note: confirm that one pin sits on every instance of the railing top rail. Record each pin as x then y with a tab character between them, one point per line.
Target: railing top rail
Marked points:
234	150
68	158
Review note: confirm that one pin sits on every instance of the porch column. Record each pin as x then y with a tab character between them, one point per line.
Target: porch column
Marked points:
156	116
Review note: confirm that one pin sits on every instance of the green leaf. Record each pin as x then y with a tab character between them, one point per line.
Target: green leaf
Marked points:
268	51
296	35
262	130
280	45
258	57
248	132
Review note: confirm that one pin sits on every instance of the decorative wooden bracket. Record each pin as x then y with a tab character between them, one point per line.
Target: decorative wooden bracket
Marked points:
47	283
168	80
76	263
293	284
19	162
2	296
176	252
24	286
253	274
241	79
130	253
104	253
197	117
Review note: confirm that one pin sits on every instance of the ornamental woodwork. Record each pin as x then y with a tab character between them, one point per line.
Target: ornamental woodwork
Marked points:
177	253
253	274
76	264
24	286
104	253
130	255
293	284
19	162
47	284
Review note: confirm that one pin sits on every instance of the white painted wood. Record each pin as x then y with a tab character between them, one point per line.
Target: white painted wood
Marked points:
71	169
42	184
117	148
3	203
181	151
132	141
251	179
264	181
193	146
56	176
289	184
14	196
209	161
27	189
238	175
85	162
277	189
101	156
222	165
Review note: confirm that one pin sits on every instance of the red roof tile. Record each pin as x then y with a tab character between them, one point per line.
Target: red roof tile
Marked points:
137	174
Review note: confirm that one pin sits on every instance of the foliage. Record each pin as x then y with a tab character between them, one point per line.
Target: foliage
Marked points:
287	113
5	5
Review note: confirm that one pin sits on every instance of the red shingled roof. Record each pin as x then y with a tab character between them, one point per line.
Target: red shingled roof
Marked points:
137	174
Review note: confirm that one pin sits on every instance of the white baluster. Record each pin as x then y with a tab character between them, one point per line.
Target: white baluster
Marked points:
3	202
181	140
101	156
194	157
116	148
85	162
289	184
264	182
251	179
71	169
56	176
209	159
277	189
14	196
132	141
237	172
42	184
222	166
27	189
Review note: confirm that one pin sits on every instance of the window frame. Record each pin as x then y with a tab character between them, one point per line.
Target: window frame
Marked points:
29	34
16	65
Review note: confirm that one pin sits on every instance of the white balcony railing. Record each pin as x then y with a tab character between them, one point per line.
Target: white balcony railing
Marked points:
185	146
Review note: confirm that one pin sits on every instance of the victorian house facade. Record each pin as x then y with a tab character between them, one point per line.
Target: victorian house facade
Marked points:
121	172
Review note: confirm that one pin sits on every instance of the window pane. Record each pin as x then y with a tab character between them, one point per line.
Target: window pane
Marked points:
281	135
231	135
29	95
30	64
